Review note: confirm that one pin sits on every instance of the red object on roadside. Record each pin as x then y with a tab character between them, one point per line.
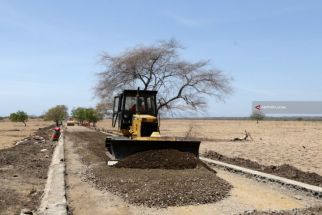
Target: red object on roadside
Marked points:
56	134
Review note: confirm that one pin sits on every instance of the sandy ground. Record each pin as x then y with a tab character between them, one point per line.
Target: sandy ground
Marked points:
10	132
298	143
247	194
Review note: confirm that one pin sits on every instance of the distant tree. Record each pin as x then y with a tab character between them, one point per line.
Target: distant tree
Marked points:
56	114
79	114
19	116
90	115
257	115
180	84
93	116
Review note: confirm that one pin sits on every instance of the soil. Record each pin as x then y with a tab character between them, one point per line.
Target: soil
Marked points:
306	211
23	172
285	170
148	187
160	159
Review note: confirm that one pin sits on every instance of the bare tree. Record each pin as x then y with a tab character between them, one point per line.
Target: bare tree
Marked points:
180	84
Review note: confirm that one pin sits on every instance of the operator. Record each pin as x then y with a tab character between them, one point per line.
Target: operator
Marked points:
133	108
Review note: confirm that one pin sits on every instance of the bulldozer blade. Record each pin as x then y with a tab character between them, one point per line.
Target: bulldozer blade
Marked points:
120	148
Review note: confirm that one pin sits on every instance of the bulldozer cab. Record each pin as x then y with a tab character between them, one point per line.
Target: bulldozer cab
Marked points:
132	102
135	112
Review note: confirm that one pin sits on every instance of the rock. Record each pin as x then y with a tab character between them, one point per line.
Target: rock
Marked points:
43	150
19	142
37	138
26	211
298	197
46	156
33	192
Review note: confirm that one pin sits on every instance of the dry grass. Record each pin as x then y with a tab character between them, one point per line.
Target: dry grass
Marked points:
10	132
298	143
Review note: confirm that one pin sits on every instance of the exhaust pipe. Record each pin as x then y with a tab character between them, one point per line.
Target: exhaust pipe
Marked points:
137	101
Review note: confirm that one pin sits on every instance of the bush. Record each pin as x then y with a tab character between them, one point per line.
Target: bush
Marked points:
56	114
19	116
90	115
257	115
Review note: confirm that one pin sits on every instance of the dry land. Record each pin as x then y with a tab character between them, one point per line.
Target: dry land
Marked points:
11	132
297	143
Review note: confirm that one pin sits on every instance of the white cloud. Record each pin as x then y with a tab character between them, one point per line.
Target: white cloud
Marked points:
189	21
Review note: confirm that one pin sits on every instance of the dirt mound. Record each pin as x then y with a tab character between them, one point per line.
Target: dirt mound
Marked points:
160	159
45	132
149	187
291	172
284	170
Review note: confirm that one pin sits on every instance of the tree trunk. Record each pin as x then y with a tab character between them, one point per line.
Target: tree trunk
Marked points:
57	123
25	123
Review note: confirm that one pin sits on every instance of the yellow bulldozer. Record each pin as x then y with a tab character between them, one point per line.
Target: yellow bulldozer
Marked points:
136	115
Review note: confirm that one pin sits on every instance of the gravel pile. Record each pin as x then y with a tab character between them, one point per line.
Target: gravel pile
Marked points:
161	188
160	159
149	187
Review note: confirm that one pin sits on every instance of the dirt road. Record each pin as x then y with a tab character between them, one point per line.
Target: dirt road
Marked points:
86	195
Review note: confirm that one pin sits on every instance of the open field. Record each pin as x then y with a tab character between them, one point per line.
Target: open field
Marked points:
297	143
10	132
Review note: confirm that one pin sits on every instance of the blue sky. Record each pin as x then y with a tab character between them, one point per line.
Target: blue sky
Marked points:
49	49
